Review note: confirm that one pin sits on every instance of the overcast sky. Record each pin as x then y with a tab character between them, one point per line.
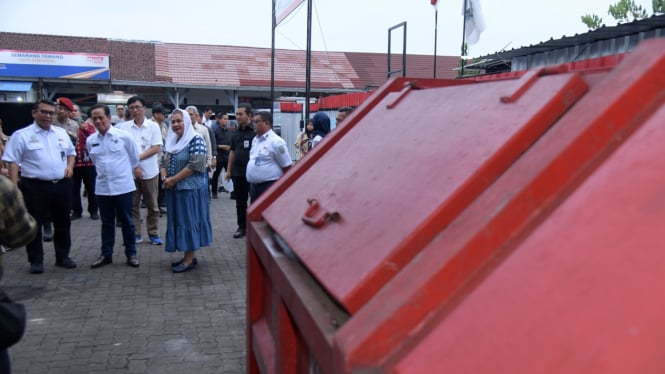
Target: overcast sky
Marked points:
337	25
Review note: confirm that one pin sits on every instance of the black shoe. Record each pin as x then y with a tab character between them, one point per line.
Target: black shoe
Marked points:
48	233
214	196
133	261
182	268
222	189
66	263
174	264
239	233
118	224
94	216
101	261
143	204
232	196
75	216
36	268
162	209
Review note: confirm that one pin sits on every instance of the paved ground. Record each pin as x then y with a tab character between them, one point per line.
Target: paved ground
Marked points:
118	319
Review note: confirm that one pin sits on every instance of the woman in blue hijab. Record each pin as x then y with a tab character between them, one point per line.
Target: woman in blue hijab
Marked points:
321	123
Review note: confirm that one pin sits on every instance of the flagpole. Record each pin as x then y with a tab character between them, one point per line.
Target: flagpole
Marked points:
436	23
463	40
272	60
308	68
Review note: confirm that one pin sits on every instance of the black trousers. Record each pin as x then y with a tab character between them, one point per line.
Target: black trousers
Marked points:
54	200
214	181
241	189
87	175
257	189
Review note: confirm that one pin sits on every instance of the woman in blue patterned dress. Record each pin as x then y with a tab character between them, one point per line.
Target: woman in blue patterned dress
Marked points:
185	181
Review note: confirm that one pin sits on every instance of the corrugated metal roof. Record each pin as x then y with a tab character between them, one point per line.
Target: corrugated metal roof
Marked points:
603	33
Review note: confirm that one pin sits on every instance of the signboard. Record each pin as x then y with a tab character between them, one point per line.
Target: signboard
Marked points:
64	65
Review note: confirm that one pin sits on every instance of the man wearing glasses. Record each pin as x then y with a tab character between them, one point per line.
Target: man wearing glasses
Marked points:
148	139
46	158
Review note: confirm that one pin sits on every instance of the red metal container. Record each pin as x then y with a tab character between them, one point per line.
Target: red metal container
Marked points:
461	226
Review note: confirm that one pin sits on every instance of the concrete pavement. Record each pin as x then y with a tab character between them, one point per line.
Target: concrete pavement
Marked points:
119	319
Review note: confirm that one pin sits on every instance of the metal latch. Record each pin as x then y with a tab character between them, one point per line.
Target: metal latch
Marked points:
316	216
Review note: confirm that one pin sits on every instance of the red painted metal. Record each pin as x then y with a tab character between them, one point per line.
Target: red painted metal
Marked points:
473	153
503	226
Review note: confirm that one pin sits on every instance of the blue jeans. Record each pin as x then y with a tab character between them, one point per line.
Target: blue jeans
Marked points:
120	207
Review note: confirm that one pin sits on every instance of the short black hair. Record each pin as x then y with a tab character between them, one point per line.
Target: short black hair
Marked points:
345	109
107	111
265	115
43	101
158	108
134	99
247	107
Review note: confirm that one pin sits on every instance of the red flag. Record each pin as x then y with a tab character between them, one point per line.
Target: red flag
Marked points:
433	2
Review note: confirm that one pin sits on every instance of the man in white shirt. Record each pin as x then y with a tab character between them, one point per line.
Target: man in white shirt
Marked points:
207	117
45	155
148	139
117	161
268	157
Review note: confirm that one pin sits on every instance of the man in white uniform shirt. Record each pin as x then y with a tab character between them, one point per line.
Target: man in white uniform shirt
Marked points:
268	157
45	155
148	139
117	159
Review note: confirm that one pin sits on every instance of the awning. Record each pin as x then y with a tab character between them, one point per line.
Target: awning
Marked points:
15	86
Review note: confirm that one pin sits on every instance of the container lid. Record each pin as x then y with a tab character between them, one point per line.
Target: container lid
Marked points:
404	171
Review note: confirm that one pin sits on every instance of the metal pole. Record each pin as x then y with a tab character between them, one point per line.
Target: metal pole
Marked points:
390	72
404	53
272	61
436	22
308	68
462	54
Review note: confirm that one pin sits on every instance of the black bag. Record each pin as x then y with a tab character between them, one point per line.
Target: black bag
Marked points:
12	321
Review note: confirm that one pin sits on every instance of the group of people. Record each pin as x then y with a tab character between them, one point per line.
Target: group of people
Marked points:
317	127
123	166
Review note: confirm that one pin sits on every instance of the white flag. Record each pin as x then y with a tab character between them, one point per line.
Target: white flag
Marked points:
474	23
284	7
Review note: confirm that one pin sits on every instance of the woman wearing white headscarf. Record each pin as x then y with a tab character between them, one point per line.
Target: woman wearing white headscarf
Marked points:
185	181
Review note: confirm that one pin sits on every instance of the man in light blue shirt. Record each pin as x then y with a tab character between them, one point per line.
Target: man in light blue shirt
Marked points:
116	159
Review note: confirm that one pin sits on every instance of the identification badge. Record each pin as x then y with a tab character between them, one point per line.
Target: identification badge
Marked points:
246	144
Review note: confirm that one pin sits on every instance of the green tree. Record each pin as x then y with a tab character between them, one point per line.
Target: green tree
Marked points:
592	21
658	6
624	11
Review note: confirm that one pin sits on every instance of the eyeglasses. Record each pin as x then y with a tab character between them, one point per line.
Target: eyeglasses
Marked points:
46	112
